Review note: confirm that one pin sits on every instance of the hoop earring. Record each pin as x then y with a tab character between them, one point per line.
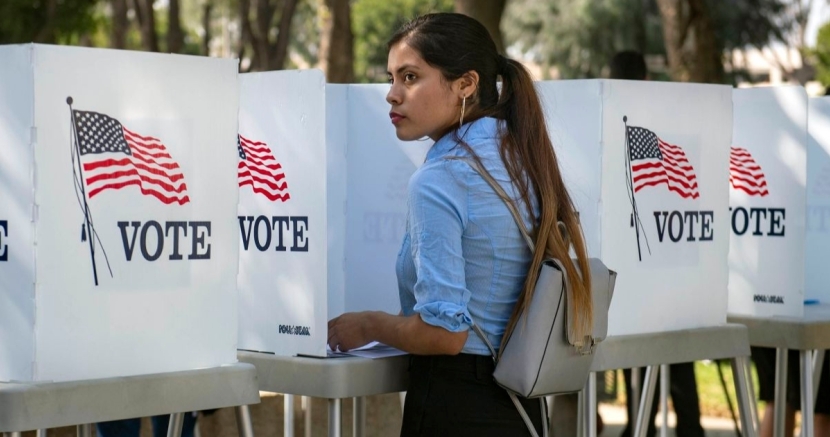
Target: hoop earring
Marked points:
463	108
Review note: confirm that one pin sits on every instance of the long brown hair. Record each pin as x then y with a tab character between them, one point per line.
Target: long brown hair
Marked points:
456	44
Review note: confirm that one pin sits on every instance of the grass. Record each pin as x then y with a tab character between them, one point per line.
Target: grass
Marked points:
710	390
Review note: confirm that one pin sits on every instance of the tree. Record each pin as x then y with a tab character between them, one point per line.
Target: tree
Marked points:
146	16
692	48
337	41
269	53
488	13
46	21
375	21
821	55
175	37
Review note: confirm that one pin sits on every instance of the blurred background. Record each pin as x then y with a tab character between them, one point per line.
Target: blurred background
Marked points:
739	42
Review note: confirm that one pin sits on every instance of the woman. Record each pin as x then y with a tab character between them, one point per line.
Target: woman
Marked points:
463	258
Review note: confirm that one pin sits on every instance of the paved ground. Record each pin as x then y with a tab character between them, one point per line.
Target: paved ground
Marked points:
383	419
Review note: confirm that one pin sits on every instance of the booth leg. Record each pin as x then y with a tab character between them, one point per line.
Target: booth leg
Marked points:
334	418
645	401
243	421
664	400
174	429
746	396
359	413
780	392
85	430
807	398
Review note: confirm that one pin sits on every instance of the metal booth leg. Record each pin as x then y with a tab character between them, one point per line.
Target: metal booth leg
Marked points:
243	421
818	362
745	395
288	414
590	407
780	392
39	433
753	394
174	429
334	418
359	419
807	398
85	430
645	401
581	429
664	400
305	402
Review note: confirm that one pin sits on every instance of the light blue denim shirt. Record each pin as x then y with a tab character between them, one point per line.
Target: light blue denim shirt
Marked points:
463	259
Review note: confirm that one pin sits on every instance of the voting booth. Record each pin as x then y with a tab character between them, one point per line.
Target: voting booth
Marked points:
767	179
646	165
282	213
817	271
118	232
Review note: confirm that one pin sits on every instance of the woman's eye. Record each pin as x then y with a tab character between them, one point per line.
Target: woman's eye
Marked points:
390	79
409	77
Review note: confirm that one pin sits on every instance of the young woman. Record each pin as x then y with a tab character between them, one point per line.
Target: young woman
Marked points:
464	260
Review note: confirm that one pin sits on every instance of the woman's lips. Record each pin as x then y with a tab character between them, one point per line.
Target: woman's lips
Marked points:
396	118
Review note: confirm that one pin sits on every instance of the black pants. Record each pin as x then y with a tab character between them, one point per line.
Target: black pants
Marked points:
764	359
457	396
683	392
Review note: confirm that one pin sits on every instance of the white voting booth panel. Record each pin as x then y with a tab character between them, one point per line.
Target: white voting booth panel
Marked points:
282	213
371	197
118	232
646	163
817	271
768	174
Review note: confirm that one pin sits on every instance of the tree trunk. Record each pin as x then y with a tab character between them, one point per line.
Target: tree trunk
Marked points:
261	26
147	22
247	36
337	42
207	12
280	52
691	46
175	37
47	32
488	13
118	38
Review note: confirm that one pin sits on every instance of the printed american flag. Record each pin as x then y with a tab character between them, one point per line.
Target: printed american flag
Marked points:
745	174
259	169
115	157
656	162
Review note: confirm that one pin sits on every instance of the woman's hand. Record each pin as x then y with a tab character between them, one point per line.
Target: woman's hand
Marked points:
349	331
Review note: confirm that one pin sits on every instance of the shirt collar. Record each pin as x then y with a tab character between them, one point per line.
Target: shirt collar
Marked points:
483	128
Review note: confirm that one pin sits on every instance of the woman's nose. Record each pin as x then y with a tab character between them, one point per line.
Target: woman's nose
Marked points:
393	96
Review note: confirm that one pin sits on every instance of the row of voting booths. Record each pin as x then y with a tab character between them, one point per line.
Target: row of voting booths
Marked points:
167	208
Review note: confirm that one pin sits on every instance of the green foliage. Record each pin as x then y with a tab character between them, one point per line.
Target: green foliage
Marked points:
821	55
579	37
24	21
374	22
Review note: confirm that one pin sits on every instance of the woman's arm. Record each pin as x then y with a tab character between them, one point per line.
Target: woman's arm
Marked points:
409	334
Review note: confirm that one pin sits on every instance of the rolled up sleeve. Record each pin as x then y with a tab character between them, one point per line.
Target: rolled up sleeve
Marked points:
438	216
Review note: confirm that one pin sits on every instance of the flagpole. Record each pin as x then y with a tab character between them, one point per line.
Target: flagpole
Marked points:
77	152
635	217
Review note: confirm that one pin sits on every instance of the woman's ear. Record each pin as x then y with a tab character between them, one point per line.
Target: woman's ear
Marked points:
466	85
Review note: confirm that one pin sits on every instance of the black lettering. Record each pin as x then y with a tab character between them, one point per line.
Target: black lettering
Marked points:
661	230
128	247
300	225
734	220
690	217
176	227
283	224
262	220
706	232
758	212
246	235
4	248
672	221
159	240
776	227
198	240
